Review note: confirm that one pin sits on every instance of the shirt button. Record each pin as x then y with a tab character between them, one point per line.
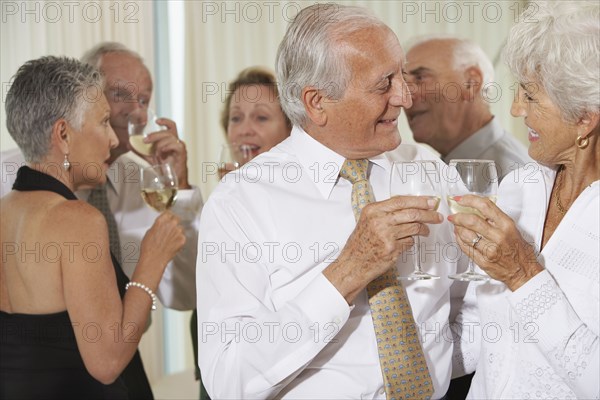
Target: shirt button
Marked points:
337	320
381	392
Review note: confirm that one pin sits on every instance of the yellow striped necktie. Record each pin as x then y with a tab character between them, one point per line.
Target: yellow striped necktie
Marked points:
403	364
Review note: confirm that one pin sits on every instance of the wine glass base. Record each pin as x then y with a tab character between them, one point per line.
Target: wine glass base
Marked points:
418	276
469	277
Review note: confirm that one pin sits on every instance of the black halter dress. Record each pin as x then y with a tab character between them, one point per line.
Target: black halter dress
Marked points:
39	357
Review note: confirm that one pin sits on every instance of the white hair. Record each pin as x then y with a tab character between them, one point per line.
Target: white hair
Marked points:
94	55
310	55
43	91
557	47
466	53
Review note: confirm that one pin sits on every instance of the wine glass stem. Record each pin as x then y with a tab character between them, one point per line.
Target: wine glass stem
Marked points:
471	267
418	254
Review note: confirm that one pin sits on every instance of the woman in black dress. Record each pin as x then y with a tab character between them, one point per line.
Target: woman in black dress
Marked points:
68	327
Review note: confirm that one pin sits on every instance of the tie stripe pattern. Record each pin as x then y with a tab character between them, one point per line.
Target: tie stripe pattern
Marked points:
99	199
403	365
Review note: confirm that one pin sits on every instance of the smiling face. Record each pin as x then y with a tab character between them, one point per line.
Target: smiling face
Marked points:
364	122
89	151
552	139
437	93
256	121
128	89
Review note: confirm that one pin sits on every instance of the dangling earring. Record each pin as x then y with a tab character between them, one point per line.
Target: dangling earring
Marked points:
582	142
66	163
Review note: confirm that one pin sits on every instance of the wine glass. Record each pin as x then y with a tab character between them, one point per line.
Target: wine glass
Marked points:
416	178
159	186
232	157
477	177
140	124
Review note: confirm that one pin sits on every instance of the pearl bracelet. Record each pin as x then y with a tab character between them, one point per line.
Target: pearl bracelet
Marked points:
145	289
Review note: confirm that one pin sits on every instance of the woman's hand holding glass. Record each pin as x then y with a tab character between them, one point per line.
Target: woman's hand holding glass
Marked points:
502	253
416	178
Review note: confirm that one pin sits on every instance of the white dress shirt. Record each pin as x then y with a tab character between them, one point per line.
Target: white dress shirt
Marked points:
491	142
270	324
541	341
177	287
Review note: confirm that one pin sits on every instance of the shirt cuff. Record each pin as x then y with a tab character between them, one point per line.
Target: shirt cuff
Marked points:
539	304
323	305
188	204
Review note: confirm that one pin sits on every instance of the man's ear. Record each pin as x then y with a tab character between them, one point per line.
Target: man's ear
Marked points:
313	102
473	82
61	135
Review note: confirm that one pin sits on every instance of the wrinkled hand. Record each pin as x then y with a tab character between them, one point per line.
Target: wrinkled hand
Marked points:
382	233
168	148
502	252
164	239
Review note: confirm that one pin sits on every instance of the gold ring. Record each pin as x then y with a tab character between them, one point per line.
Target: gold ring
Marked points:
476	240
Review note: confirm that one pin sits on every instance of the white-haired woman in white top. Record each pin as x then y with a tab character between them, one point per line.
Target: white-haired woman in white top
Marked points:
541	243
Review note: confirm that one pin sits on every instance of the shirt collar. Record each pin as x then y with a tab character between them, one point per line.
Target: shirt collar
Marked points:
111	174
482	139
321	163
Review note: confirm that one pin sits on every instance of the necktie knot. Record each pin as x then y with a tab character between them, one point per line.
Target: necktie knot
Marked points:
355	170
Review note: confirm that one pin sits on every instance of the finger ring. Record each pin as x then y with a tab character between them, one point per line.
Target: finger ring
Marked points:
476	240
178	141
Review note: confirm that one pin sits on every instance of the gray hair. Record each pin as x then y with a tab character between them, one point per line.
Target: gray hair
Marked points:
94	55
309	54
558	47
466	54
43	91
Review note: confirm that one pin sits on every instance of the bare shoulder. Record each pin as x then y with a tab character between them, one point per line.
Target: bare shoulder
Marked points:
77	218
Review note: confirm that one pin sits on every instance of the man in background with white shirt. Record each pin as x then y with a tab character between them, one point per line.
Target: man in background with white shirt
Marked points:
285	262
449	80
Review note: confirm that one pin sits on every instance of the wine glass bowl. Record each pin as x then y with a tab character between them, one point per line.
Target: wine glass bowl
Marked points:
476	177
416	178
140	124
159	186
231	157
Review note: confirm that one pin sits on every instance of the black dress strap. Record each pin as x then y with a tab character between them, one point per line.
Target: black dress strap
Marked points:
29	179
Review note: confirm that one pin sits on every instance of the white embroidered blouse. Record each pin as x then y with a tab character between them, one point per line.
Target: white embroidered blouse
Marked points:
541	341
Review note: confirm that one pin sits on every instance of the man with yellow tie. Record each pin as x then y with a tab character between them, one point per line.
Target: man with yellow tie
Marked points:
299	252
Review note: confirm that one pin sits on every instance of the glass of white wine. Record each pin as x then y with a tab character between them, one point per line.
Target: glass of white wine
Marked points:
231	157
140	124
478	177
416	178
159	186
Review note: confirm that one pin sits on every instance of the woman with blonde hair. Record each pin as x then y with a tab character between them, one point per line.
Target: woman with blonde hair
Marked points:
252	117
